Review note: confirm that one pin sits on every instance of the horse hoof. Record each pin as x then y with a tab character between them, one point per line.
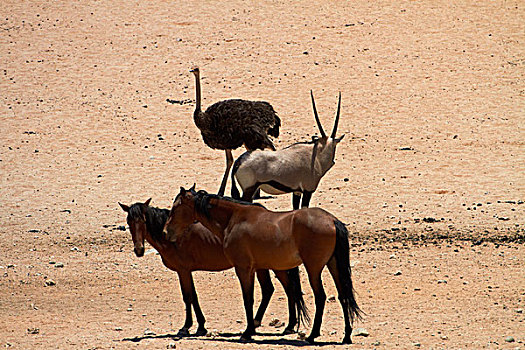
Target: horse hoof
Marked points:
310	340
257	323
288	331
201	331
183	332
347	340
245	338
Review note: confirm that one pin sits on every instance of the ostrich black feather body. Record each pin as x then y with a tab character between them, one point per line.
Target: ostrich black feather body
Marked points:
229	124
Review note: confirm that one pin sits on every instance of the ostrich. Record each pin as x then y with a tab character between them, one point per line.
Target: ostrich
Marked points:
229	124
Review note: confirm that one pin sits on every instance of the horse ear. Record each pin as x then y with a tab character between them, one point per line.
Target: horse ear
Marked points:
182	190
192	188
124	207
340	138
146	203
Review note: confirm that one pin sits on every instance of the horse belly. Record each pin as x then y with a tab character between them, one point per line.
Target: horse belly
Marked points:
268	255
260	251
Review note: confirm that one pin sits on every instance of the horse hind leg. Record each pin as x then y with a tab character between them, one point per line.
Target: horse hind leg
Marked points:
246	278
297	310
320	299
339	267
332	267
267	290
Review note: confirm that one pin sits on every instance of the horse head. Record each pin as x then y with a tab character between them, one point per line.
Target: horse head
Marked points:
182	213
137	224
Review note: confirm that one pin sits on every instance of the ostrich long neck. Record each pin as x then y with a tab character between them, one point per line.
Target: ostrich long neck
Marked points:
198	93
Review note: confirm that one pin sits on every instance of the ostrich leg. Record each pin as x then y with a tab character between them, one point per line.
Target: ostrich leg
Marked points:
229	163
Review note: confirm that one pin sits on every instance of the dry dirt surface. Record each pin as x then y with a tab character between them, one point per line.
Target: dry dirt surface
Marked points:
429	178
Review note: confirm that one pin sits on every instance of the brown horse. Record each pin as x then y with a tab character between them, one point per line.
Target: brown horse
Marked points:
255	238
199	249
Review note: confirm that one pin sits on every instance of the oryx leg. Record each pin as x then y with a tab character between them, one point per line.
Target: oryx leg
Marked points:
248	193
307	195
296	200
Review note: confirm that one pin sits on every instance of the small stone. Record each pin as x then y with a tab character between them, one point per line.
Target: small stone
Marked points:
416	344
171	345
118	329
239	321
397	273
360	332
301	335
376	343
509	339
276	323
519	311
149	332
50	283
59	265
331	298
33	330
212	333
130	309
442	281
444	337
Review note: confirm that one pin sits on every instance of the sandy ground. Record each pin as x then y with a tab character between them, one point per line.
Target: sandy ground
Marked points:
429	178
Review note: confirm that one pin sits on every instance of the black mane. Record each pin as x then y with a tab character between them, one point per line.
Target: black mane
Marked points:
202	201
155	219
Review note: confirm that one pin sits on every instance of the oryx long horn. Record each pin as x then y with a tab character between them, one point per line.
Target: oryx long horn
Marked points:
317	116
337	117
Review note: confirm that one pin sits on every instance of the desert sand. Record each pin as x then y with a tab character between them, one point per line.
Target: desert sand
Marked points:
429	177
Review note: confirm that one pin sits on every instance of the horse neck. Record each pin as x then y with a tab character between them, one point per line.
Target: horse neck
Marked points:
219	216
156	219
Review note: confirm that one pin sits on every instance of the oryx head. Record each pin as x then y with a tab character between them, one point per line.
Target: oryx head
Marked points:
324	148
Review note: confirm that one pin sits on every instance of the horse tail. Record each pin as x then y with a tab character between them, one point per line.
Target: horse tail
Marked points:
342	259
296	294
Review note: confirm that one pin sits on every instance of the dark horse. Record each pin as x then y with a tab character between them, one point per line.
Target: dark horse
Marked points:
255	238
198	249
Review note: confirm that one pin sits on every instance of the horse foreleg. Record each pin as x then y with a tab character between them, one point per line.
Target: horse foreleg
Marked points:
267	290
320	299
198	312
186	283
229	162
246	278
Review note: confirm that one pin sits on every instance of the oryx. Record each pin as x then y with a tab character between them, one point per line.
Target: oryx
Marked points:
297	168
